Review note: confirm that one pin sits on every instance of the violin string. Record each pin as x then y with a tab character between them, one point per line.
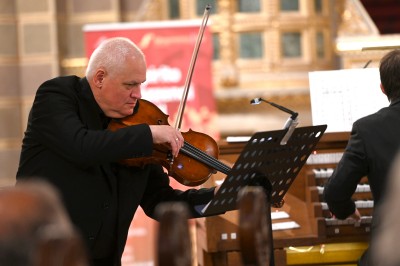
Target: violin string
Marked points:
194	152
205	158
220	166
208	160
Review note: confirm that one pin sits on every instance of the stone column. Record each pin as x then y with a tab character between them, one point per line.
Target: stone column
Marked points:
28	56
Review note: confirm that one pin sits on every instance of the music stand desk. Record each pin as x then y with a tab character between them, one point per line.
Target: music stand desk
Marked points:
265	162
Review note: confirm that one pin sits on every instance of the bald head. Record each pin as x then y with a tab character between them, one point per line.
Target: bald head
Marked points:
111	55
115	73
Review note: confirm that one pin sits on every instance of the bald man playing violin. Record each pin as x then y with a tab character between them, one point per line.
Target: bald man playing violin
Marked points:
67	144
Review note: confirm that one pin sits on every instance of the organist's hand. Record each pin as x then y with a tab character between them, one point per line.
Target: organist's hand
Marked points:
356	215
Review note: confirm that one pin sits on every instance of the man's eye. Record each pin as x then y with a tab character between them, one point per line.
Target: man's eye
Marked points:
130	84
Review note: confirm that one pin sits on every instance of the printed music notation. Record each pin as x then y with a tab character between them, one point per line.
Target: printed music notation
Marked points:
340	97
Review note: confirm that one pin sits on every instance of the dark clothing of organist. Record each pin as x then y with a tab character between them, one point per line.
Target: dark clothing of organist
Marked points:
373	145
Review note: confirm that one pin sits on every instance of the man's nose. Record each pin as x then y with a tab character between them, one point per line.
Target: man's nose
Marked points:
136	92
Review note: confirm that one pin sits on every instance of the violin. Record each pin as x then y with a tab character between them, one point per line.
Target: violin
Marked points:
196	160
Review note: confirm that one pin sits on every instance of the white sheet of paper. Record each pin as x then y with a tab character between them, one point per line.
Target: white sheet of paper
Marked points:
340	97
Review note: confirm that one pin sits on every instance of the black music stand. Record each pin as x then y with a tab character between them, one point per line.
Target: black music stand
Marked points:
266	162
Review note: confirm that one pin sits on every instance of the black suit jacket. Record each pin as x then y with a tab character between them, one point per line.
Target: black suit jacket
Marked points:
65	144
373	145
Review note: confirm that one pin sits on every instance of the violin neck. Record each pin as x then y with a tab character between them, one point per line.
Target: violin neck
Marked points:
190	150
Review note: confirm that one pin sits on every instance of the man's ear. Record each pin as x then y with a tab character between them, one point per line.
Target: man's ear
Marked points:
383	89
98	78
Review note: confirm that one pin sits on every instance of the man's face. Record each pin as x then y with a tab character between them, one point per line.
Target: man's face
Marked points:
120	89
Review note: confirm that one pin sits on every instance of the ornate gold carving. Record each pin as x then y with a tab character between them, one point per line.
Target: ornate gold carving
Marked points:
355	20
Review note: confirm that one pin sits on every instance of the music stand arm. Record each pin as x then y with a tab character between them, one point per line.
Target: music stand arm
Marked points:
290	126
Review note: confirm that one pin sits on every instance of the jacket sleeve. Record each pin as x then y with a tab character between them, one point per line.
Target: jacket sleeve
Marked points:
158	190
342	184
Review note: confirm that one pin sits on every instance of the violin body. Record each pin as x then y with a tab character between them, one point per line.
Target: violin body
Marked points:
190	167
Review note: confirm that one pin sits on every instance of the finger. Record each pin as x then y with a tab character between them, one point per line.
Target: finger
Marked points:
173	143
179	136
176	147
179	143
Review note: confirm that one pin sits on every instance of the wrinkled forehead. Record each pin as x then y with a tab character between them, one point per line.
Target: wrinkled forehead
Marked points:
130	66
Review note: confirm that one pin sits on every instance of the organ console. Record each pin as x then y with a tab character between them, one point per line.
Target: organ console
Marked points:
304	219
318	169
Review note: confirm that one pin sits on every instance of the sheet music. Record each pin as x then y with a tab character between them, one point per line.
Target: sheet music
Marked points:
340	97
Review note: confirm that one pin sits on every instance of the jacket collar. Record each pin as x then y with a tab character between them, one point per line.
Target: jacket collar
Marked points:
88	96
395	102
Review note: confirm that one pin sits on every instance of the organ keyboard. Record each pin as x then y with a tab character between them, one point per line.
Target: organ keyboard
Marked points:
318	169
